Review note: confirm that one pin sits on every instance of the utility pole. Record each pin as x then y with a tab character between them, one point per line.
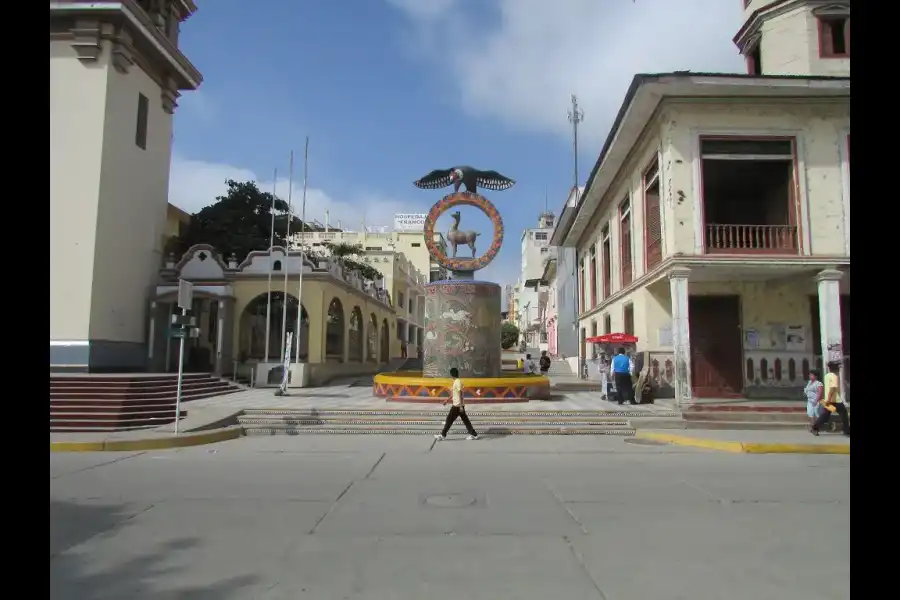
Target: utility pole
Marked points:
576	116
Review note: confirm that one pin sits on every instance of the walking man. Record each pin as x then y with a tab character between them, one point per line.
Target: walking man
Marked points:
832	401
458	409
621	368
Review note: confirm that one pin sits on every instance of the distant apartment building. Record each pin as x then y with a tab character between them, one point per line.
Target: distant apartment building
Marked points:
531	297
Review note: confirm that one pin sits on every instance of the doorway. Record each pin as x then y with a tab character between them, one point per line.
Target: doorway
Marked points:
716	346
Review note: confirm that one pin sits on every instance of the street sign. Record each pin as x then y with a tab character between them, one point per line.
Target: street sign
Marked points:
185	294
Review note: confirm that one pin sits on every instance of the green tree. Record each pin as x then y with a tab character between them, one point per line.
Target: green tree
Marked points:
239	222
349	254
509	336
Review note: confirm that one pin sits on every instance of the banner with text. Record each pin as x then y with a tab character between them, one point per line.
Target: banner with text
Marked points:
409	222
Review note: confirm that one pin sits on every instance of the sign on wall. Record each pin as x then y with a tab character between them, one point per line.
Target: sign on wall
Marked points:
409	222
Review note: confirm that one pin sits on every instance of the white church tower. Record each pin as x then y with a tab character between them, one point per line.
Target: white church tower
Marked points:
115	77
796	37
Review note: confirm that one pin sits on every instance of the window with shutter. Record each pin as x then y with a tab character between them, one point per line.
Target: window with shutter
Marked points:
593	267
625	242
652	218
607	262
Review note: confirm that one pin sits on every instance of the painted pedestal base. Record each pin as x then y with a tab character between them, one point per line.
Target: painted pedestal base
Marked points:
401	387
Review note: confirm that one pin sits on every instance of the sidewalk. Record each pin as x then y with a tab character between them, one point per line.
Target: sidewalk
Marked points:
753	441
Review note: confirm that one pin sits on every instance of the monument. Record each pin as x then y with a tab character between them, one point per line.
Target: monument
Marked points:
462	314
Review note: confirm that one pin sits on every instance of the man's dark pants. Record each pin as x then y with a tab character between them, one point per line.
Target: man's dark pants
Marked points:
457	411
841	410
624	387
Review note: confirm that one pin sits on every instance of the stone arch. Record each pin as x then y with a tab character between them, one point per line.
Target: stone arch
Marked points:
252	337
355	336
385	353
372	339
334	331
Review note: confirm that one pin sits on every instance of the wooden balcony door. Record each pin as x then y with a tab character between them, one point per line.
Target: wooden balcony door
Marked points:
716	346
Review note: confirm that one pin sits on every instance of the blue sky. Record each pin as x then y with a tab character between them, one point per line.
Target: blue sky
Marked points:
388	90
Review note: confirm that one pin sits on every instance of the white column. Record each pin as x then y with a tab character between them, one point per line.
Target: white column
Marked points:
220	336
151	335
828	283
681	336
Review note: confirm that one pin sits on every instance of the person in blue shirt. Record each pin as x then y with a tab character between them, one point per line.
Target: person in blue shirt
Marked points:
621	368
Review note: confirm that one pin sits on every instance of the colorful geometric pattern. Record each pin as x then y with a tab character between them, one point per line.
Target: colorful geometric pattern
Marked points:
475	391
460	199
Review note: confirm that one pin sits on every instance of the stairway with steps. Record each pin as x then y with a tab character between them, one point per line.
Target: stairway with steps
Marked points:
750	417
422	422
125	402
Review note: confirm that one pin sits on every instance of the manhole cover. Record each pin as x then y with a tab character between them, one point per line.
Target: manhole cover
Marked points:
450	500
643	442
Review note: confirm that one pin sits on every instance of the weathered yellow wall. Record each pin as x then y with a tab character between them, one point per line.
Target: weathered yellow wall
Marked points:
820	128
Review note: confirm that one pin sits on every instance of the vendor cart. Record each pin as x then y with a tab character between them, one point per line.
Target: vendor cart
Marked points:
602	349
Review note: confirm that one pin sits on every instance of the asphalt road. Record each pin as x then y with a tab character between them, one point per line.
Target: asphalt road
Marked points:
380	518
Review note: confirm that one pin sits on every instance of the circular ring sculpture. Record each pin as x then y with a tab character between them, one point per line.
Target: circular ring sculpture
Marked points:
510	387
463	199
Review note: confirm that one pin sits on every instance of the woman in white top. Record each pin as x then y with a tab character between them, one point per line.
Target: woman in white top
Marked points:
814	391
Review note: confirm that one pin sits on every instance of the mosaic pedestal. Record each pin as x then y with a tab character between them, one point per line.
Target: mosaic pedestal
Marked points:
462	329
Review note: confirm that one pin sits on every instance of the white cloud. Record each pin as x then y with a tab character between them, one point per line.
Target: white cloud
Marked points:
522	69
194	184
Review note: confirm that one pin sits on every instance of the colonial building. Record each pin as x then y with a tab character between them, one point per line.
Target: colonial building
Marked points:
115	77
343	325
715	224
405	275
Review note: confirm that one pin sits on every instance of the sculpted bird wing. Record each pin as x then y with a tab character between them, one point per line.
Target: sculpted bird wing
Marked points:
439	178
492	180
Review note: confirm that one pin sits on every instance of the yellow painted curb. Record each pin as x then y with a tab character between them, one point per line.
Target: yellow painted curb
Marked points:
744	447
757	448
162	443
683	440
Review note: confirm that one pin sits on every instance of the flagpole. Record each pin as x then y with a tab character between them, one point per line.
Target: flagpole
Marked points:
269	282
302	253
287	262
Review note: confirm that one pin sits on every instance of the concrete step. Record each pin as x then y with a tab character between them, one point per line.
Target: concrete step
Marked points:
114	417
159	392
755	417
744	425
425	431
133	381
441	412
167	399
101	428
422	422
108	408
431	422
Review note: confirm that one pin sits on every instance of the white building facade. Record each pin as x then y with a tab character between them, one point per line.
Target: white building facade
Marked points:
115	76
715	223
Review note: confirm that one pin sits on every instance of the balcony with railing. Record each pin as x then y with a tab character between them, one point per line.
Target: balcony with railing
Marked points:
751	239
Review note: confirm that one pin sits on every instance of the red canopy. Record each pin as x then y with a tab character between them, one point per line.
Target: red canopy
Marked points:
613	338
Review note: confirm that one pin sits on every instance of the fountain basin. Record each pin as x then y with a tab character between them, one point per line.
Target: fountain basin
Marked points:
412	386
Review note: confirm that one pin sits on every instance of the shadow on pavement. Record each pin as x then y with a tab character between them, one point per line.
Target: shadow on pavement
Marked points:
73	576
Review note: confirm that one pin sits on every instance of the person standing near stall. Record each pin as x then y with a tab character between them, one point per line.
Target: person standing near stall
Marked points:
621	368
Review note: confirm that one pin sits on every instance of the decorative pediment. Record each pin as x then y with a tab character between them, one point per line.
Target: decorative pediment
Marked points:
201	262
837	9
279	261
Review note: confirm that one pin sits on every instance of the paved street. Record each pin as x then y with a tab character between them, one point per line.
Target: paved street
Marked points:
380	518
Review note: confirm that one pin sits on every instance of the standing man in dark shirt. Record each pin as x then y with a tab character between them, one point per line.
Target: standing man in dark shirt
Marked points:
621	368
